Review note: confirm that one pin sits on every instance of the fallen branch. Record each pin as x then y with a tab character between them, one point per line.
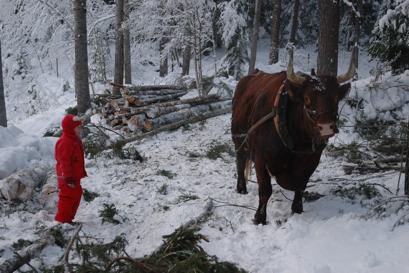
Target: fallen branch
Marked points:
23	257
67	252
231	205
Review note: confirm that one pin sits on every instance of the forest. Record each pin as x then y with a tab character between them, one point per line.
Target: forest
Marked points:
149	194
122	37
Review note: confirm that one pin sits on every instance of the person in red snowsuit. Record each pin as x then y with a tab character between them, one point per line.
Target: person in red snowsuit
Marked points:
69	154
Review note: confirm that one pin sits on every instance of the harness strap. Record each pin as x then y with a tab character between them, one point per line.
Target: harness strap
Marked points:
280	121
270	115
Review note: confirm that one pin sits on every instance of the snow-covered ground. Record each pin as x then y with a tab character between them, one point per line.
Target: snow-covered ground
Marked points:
178	181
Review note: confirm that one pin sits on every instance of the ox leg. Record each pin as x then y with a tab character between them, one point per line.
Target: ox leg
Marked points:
297	206
264	193
241	166
286	181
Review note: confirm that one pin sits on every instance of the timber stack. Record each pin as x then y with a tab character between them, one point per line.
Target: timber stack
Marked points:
142	109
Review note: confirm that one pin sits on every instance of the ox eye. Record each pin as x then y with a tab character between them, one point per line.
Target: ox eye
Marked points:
307	100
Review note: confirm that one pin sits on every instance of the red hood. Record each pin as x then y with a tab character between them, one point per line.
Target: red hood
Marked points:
69	123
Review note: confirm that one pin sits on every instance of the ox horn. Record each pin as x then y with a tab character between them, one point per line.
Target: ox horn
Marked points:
291	76
352	67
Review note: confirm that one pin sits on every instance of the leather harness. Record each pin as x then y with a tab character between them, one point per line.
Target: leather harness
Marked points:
279	116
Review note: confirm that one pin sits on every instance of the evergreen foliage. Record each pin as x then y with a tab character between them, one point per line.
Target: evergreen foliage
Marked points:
235	39
390	42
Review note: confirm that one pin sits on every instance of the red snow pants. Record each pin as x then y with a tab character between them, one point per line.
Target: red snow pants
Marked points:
68	202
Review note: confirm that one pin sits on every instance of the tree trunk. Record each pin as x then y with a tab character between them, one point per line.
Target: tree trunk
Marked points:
275	32
197	46
294	21
3	112
328	36
406	187
81	57
357	23
256	25
119	46
187	52
163	69
217	38
127	46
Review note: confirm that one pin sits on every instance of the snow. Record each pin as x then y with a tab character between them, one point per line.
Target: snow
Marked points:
335	234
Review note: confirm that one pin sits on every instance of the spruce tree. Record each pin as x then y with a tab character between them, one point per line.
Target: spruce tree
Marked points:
390	42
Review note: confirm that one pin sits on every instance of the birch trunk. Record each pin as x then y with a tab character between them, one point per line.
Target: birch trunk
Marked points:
24	256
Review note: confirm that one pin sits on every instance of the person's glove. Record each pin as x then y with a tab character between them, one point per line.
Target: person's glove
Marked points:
70	182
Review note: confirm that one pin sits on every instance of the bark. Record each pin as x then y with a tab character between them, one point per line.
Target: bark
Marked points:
24	256
406	186
197	49
294	21
357	23
163	69
150	100
256	25
185	114
144	109
177	125
81	57
3	112
154	112
155	87
127	46
217	38
157	92
119	46
70	244
187	52
21	185
275	32
327	63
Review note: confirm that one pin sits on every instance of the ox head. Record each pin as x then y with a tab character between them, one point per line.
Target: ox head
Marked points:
319	96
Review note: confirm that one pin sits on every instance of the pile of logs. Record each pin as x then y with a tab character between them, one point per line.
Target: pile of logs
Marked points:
141	109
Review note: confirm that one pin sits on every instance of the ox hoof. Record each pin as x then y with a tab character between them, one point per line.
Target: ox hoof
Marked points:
297	208
259	219
242	191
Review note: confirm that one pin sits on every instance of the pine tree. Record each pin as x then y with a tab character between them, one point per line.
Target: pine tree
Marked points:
3	116
235	39
390	42
81	57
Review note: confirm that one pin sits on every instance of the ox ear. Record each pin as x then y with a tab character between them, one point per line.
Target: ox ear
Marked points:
294	91
343	90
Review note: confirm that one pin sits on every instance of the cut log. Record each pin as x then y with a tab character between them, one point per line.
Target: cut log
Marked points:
130	100
20	186
191	102
154	92
178	124
154	112
185	114
151	100
114	105
24	256
147	87
137	122
155	87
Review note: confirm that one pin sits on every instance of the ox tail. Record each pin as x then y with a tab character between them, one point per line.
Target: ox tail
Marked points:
247	170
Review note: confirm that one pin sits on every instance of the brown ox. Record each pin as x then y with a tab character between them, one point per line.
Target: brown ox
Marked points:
282	122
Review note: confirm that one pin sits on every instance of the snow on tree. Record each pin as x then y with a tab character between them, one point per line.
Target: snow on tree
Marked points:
390	42
235	37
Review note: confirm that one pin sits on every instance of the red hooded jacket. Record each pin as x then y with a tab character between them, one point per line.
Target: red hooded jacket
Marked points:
69	152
